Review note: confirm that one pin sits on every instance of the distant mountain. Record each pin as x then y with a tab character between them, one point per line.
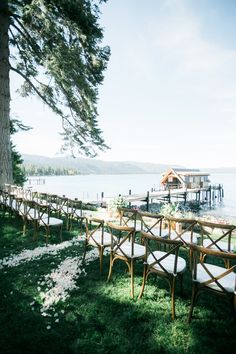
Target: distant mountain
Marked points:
93	166
220	170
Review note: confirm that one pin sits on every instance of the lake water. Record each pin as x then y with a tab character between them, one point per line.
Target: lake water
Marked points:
90	187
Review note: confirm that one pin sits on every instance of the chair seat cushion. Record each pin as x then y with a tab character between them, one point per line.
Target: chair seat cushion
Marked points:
167	263
50	222
228	281
186	237
126	248
222	245
97	236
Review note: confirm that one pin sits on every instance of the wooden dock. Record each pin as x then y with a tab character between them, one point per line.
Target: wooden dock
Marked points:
36	181
210	195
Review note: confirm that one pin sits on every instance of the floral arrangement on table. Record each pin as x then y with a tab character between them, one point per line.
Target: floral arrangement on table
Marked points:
175	210
117	202
171	209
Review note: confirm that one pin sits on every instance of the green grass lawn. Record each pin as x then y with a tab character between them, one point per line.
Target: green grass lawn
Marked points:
95	316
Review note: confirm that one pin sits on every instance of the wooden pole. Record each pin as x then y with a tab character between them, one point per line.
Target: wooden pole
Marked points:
129	194
147	200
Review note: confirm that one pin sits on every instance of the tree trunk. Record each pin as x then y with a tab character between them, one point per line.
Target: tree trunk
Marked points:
5	144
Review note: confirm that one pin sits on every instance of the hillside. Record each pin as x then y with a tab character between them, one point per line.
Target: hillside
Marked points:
93	166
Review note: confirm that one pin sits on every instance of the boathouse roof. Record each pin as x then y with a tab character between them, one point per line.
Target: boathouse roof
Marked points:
188	172
181	173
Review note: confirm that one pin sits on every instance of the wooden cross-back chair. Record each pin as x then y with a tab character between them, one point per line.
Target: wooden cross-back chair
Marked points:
217	279
19	206
216	236
97	237
30	215
42	198
27	194
129	217
2	199
76	215
47	221
125	248
64	209
53	201
183	229
151	223
162	259
62	205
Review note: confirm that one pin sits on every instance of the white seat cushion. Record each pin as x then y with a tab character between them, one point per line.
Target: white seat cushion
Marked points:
228	282
222	245
186	237
97	236
139	250
167	263
51	222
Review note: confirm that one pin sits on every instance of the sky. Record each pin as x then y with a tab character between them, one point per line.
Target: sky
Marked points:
169	93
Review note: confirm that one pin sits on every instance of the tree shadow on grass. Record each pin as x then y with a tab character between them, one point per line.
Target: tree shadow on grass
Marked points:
100	317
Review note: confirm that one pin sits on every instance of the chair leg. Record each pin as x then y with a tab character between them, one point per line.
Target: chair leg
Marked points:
190	259
68	225
111	265
24	226
194	293
101	249
181	284
35	230
144	281
85	250
47	233
61	233
173	298
132	277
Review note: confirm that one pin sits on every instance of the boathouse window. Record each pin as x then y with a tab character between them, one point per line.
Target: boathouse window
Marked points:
170	179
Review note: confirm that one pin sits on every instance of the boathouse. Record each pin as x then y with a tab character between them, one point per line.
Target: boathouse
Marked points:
185	178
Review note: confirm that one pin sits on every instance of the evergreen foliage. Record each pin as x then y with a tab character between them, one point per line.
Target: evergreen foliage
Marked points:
56	47
33	170
57	52
19	175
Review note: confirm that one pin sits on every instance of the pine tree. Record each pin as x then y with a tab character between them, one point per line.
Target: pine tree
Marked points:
56	47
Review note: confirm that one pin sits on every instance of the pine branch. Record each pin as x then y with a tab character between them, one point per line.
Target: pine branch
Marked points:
36	90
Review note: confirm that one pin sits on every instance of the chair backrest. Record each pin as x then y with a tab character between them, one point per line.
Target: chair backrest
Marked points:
94	226
27	194
53	201
35	195
75	206
42	198
213	280
127	216
44	210
119	235
63	205
179	228
216	235
30	210
20	208
166	246
151	222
